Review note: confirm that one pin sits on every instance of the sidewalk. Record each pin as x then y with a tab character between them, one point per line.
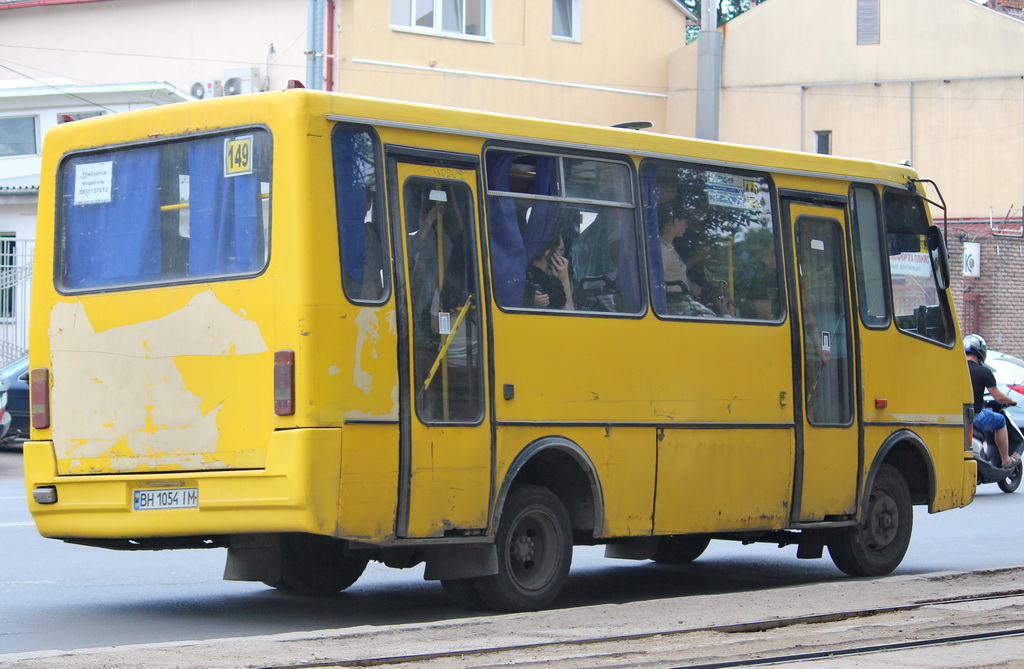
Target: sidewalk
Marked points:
648	617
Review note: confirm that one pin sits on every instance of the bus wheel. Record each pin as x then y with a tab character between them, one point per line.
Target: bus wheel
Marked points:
681	549
315	564
877	547
534	545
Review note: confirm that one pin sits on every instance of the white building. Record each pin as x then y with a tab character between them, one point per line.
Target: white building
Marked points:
26	113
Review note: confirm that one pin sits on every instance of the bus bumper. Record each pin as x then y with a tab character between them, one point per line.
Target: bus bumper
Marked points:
970	482
297	491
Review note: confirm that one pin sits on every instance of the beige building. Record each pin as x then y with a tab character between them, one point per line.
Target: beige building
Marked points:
936	82
596	61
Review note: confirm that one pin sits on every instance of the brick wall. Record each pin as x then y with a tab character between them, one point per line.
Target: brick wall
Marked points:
1000	288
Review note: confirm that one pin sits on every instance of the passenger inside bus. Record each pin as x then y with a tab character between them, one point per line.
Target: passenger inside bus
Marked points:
682	295
547	277
600	260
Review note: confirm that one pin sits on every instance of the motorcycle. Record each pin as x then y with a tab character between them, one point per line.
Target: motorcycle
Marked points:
987	455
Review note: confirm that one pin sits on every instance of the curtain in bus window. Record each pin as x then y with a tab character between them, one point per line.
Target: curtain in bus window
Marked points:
542	221
224	218
508	253
359	232
350	191
541	228
514	247
117	241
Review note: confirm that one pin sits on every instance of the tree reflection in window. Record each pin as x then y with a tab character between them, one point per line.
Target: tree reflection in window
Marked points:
712	247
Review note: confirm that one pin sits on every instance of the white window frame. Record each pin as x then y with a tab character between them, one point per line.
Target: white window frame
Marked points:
68	117
574	20
35	135
407	23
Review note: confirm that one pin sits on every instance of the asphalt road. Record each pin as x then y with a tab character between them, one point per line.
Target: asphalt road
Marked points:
55	596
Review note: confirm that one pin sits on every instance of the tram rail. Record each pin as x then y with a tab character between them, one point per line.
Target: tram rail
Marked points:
693	649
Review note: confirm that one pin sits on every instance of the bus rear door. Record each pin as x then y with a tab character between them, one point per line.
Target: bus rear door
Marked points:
445	457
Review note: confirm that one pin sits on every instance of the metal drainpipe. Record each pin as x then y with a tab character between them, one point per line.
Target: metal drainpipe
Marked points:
803	121
314	44
709	71
329	58
911	158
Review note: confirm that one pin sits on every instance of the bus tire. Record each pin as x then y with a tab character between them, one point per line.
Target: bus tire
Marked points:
877	546
315	564
534	546
681	549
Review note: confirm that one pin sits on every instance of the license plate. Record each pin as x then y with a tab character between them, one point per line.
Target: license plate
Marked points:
166	498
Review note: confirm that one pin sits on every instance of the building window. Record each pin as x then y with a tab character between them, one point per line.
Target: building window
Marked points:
565	19
18	136
467	18
68	117
823	142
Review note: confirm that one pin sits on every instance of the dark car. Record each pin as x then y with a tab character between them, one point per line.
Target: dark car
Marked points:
15	374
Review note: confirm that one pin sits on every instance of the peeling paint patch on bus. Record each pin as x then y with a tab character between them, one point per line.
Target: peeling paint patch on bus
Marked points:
124	392
366	345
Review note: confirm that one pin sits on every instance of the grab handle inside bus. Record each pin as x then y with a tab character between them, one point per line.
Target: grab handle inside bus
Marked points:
448	342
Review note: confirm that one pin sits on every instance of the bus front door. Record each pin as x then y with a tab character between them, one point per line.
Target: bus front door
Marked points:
445	456
828	455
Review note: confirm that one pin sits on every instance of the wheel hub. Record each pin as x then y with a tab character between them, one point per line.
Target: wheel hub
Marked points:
883	521
523	549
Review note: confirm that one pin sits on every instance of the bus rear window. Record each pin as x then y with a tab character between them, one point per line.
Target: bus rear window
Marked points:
179	211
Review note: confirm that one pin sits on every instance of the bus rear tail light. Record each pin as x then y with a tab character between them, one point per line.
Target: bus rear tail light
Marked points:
284	383
39	392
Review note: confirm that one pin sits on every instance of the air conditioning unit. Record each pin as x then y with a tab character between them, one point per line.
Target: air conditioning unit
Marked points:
241	80
207	88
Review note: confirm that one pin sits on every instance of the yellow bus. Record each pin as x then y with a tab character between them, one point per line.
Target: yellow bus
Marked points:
319	330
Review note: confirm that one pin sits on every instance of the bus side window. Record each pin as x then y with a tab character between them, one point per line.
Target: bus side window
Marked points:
361	234
711	243
539	204
869	257
920	308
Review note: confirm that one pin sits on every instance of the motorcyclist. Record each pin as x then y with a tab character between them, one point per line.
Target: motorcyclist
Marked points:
983	379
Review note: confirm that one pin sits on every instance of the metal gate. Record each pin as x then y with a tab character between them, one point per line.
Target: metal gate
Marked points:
15	290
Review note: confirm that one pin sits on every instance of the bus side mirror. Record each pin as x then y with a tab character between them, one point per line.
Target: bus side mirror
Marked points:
940	261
